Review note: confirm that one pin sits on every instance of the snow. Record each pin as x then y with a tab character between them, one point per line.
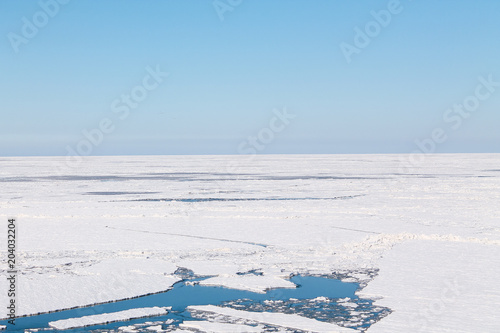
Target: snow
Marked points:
107	318
449	287
277	319
99	282
417	231
253	283
127	329
213	327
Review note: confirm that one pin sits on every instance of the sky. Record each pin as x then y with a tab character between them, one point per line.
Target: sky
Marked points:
244	77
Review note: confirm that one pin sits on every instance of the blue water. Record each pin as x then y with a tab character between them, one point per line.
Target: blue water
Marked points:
183	295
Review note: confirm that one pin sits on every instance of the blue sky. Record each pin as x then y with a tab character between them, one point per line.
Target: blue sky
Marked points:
227	79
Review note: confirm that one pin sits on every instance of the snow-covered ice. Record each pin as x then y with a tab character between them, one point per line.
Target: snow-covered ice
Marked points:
290	321
214	327
445	280
119	227
253	283
107	318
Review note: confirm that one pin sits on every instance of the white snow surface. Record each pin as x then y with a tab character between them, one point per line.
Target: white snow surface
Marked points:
118	227
253	283
291	321
213	327
445	281
107	318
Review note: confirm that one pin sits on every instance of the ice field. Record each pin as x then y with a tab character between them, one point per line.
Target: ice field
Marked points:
423	242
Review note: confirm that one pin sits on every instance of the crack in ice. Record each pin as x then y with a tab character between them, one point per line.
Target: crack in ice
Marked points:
191	236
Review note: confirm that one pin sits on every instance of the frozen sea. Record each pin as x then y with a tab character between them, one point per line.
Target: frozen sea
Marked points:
421	241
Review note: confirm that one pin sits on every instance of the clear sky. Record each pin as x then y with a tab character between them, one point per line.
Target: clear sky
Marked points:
353	76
